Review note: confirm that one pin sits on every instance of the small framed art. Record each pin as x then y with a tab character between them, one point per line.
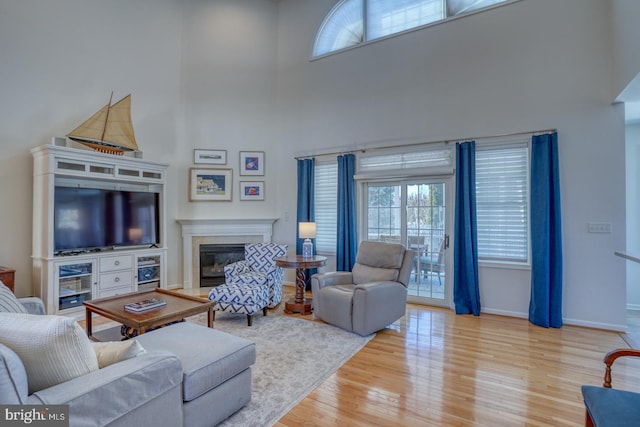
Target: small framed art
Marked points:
252	163
251	190
212	157
208	184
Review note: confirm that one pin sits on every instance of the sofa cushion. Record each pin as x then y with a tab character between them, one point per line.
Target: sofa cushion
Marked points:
209	357
13	378
110	352
8	301
53	349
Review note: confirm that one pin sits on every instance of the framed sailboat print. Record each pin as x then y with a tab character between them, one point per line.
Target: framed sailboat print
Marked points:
213	157
208	184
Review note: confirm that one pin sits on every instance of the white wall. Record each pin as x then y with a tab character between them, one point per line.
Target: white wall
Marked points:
632	159
522	67
236	75
201	74
228	101
626	33
60	62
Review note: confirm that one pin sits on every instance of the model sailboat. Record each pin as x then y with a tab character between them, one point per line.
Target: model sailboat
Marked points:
109	130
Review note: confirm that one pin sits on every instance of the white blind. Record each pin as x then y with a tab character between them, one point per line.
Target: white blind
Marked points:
326	211
458	7
502	204
386	17
403	161
343	27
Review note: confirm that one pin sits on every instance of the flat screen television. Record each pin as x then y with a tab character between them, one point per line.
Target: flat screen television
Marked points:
92	218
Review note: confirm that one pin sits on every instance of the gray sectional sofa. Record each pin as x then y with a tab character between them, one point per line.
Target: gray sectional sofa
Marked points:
190	376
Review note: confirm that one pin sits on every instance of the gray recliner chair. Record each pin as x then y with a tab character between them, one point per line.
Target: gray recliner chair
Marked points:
370	297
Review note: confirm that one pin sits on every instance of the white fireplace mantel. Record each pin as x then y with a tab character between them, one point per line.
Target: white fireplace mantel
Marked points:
202	231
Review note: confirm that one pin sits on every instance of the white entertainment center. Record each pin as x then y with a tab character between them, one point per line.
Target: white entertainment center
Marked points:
66	278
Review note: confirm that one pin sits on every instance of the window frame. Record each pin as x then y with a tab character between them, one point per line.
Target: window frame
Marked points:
365	41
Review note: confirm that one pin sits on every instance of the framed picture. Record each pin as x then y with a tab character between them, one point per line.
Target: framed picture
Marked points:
208	184
251	190
252	163
212	157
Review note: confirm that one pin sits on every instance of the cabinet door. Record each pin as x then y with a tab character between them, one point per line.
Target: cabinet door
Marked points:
74	283
148	271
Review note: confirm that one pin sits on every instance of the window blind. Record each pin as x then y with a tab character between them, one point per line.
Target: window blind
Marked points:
502	204
389	17
404	161
326	211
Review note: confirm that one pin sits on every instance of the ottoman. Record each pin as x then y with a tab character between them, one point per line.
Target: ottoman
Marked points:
216	369
240	298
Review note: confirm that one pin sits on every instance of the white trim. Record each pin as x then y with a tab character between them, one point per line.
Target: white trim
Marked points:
566	322
239	230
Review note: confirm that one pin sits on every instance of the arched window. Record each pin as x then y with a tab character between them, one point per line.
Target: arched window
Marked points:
353	22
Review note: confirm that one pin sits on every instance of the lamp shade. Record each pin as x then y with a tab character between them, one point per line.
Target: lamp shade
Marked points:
307	230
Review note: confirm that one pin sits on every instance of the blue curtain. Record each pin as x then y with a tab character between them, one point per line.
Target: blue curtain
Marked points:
545	307
306	210
347	237
466	293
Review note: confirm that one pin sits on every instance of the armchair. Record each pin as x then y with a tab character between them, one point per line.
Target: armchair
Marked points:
609	407
259	268
370	297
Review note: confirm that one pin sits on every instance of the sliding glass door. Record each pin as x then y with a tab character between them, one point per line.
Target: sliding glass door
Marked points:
416	214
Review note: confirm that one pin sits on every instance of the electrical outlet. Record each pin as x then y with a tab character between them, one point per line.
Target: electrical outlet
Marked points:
599	227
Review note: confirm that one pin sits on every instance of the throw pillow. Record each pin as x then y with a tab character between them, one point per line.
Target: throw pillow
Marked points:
53	349
111	352
8	301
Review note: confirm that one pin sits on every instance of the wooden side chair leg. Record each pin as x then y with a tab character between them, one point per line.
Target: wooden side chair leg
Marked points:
588	422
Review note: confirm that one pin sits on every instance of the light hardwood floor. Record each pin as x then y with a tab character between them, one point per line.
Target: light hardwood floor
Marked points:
436	368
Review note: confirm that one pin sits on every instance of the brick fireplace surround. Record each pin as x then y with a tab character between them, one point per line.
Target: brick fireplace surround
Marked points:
196	232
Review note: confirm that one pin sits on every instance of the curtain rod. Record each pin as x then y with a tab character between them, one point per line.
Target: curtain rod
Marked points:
415	144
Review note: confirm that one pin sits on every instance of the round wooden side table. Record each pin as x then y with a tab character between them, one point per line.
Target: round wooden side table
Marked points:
300	304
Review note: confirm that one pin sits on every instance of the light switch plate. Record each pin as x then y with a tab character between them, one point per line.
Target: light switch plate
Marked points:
599	227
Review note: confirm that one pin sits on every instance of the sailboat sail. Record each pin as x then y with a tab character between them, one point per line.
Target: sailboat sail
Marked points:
109	130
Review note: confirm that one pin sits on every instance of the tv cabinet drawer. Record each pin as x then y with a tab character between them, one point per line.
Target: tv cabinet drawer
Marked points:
114	263
113	292
118	279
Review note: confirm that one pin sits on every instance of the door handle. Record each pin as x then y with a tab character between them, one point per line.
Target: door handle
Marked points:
446	241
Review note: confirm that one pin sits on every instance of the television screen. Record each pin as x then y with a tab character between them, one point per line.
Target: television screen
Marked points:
88	218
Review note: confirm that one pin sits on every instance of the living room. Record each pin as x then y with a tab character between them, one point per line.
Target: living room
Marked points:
236	75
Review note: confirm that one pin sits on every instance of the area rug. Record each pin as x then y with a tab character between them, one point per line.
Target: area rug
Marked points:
294	356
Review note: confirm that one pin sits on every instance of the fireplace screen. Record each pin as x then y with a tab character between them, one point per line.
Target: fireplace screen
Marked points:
213	258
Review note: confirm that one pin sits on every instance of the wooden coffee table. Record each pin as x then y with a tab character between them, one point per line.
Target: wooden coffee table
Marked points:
178	307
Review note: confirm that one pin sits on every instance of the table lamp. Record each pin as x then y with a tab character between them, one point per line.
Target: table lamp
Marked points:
307	231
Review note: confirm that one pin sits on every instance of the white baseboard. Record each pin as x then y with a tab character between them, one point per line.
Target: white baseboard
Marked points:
596	325
572	322
505	313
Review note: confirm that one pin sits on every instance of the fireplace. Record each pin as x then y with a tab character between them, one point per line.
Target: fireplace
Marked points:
213	258
197	232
